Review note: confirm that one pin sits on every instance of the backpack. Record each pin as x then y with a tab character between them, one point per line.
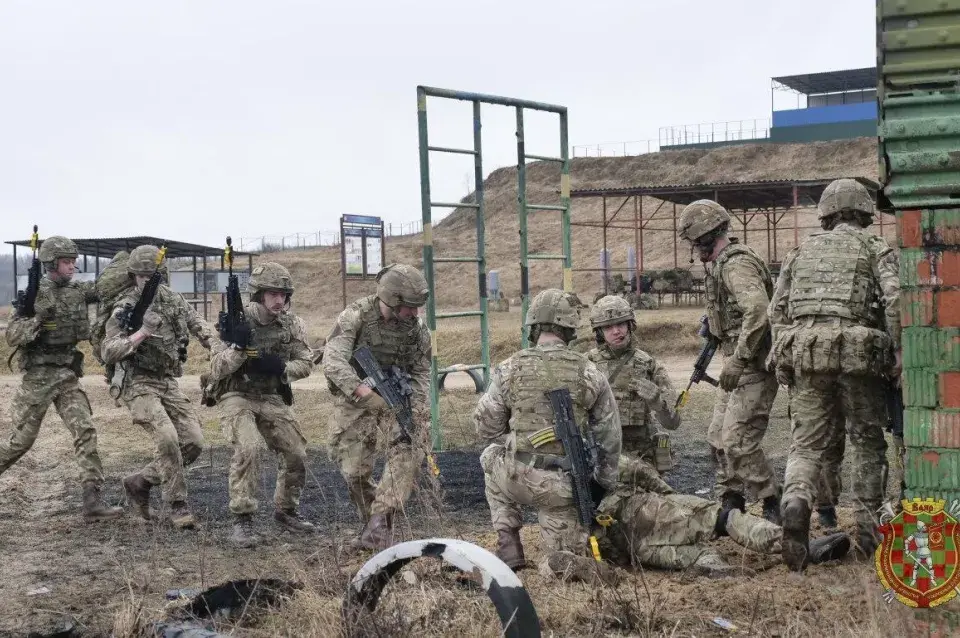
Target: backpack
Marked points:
111	284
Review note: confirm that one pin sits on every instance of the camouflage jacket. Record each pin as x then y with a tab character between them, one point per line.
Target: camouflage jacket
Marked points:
623	369
159	354
885	268
738	288
284	335
60	322
392	343
515	405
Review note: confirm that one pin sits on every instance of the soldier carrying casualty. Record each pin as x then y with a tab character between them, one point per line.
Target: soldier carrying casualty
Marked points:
46	337
836	324
530	466
250	376
148	359
387	323
738	288
642	389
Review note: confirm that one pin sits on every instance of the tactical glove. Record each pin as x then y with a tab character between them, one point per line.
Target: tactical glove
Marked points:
647	390
267	364
372	402
730	375
152	322
241	335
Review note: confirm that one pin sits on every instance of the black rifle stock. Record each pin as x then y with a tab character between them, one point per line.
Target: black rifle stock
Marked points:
707	352
25	302
228	321
582	458
394	386
131	319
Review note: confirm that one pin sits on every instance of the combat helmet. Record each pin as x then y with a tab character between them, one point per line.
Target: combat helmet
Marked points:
270	276
610	310
402	285
844	194
700	217
553	306
54	248
144	260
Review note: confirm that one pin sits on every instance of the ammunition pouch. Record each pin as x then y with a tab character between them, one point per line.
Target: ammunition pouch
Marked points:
662	456
827	347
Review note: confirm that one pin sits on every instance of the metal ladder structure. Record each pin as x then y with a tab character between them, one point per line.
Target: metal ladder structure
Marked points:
524	208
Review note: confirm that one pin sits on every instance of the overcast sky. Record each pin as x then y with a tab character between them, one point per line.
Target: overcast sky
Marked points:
191	120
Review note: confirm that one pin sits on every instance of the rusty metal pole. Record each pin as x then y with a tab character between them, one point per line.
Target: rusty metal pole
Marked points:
606	262
640	254
675	262
796	219
636	243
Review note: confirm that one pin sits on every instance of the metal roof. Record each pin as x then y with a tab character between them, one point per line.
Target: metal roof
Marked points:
109	246
733	196
831	81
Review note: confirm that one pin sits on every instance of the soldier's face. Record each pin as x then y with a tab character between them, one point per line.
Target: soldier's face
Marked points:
66	267
274	301
616	335
142	281
406	313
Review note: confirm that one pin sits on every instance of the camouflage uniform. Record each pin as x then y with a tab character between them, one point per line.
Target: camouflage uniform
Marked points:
670	532
250	383
738	288
630	371
836	326
150	390
357	423
52	367
524	469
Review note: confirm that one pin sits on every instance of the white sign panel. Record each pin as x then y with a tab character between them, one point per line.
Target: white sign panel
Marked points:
374	261
353	249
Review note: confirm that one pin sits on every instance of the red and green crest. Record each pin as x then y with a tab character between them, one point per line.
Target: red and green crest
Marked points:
918	561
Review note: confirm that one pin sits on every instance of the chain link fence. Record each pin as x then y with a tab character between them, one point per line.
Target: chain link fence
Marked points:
299	241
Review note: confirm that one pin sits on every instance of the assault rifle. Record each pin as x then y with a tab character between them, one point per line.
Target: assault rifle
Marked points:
131	319
26	299
894	400
229	321
582	458
709	349
393	385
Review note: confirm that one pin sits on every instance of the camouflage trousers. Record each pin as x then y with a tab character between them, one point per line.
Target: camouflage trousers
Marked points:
739	423
820	401
159	406
830	483
668	531
509	484
246	420
352	444
41	386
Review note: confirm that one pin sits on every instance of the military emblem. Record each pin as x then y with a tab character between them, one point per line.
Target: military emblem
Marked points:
918	562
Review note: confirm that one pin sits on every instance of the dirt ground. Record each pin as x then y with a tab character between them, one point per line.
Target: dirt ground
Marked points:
57	568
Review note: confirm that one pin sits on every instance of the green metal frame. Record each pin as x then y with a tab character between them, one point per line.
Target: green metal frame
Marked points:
427	205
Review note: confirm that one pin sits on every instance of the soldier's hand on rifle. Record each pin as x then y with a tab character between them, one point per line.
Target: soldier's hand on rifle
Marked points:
241	335
151	323
367	399
647	390
268	364
730	375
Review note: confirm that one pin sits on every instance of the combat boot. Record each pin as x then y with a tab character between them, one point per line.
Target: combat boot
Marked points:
510	549
93	508
138	491
378	533
828	517
733	500
830	547
292	520
796	534
771	508
244	534
868	541
181	517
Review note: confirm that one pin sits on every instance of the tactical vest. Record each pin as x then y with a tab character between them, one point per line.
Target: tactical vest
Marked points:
274	338
622	372
160	354
536	371
64	327
833	276
726	316
390	343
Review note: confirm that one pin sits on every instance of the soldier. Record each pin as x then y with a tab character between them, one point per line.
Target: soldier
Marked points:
250	382
837	328
52	367
150	360
642	389
669	532
527	469
388	323
738	288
